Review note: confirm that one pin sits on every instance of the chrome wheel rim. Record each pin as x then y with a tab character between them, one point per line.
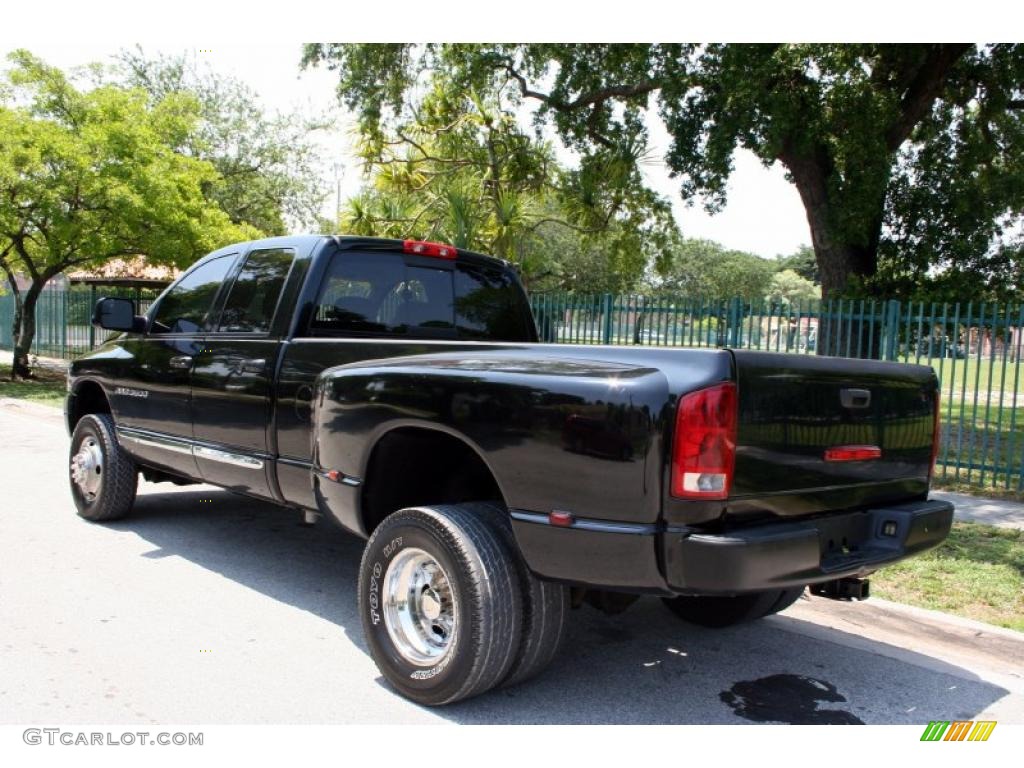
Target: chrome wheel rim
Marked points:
419	611
87	468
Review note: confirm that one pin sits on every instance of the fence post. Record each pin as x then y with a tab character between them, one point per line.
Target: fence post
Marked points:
64	324
735	322
92	305
891	330
609	303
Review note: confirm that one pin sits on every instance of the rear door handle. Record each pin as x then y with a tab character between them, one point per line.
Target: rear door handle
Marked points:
257	365
181	361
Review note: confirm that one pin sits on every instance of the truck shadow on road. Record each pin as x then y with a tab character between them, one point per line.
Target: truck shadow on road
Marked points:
644	666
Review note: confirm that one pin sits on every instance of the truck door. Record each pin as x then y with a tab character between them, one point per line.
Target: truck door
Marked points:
232	377
152	393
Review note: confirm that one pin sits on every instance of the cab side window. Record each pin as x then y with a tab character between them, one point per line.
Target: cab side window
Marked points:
253	299
185	305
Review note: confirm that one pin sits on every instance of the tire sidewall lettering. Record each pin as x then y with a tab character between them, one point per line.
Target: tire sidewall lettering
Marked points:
374	598
376	573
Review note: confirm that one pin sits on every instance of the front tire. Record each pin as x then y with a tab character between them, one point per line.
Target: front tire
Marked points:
440	603
103	476
725	611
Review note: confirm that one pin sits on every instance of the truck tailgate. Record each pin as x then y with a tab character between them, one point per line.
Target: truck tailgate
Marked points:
809	429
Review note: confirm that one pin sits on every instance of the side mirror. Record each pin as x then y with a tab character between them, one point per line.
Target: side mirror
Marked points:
114	314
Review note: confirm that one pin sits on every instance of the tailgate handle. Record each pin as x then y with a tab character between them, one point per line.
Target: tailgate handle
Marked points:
855	398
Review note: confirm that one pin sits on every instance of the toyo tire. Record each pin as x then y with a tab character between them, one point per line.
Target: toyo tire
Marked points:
440	603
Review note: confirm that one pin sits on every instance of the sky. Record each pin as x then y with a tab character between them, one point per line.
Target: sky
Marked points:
764	214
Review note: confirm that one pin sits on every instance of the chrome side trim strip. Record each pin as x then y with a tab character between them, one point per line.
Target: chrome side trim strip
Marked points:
294	462
589	524
176	445
226	457
155	442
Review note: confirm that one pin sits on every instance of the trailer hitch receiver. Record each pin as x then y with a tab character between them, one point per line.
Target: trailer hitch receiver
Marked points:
843	589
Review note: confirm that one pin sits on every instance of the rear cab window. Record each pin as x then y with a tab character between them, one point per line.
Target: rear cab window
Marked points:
256	291
390	294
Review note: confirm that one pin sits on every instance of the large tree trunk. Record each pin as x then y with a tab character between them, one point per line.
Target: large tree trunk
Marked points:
25	331
840	261
20	365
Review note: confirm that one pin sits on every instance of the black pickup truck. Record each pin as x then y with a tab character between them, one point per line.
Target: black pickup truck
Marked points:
399	389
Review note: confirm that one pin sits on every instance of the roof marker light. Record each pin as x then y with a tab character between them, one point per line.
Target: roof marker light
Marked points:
425	248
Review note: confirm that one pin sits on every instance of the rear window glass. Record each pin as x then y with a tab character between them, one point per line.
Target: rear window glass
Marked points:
489	305
381	294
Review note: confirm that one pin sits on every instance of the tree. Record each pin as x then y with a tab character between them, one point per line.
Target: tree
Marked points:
459	167
802	262
269	170
89	176
853	125
706	268
787	287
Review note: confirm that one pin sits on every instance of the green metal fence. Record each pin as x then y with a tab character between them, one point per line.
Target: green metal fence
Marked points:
974	348
63	328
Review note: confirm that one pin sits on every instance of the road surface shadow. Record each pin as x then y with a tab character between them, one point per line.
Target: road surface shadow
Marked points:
644	666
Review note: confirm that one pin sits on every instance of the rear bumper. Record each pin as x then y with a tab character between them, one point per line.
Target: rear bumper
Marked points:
806	552
779	554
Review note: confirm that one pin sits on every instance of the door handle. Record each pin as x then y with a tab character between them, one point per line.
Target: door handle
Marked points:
181	361
257	365
855	398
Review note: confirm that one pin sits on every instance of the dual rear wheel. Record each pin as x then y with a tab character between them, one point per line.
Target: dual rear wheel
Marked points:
449	609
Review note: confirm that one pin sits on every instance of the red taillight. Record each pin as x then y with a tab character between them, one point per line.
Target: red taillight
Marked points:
704	449
936	426
424	248
853	453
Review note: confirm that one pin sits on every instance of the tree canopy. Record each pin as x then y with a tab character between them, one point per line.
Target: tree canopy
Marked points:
788	287
891	147
705	268
269	170
460	167
91	175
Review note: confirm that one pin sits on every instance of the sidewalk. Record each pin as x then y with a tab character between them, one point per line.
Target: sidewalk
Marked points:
54	363
978	509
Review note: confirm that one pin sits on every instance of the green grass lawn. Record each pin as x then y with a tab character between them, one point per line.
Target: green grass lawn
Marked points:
995	440
48	388
978	572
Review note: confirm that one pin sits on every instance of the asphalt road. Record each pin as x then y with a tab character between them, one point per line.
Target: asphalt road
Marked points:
205	607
